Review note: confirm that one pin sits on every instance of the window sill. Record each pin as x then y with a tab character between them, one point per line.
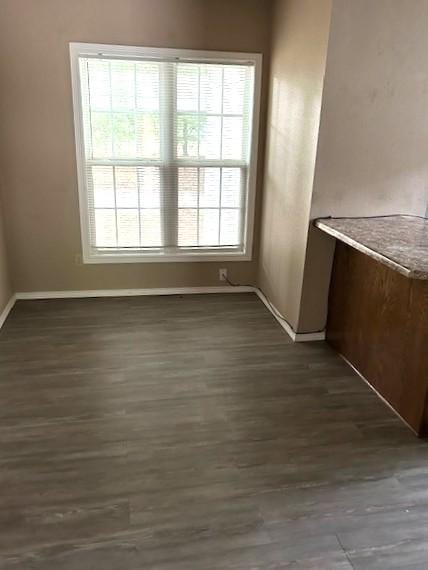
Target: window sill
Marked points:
111	258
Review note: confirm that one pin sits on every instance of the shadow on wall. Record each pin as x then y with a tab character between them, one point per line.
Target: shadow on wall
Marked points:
316	281
293	129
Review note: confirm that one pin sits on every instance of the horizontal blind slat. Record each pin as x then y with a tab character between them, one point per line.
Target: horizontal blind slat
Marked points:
167	148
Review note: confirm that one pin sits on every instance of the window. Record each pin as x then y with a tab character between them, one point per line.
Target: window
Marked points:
166	149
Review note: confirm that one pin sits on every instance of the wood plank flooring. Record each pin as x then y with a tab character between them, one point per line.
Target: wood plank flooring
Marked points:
188	433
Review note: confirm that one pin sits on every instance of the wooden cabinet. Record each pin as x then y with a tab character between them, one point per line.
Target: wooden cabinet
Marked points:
378	320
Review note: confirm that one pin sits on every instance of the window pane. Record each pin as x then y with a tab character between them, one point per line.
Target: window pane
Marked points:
187	87
99	84
105	228
101	135
208	227
234	89
187	136
151	228
126	187
128	106
187	227
149	183
147	87
103	186
232	138
123	135
230	227
209	187
210	129
123	85
187	187
128	228
211	88
231	187
147	135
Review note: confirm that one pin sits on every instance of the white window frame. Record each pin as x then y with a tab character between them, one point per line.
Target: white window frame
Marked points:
89	255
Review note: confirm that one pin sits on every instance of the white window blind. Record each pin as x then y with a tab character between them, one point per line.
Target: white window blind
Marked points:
165	151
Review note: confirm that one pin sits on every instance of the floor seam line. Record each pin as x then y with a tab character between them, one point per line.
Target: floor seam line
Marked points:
344	550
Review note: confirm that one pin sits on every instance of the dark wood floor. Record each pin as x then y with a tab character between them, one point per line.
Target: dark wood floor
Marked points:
188	433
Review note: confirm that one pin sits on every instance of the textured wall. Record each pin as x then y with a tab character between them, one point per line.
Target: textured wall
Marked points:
5	281
299	46
37	155
373	143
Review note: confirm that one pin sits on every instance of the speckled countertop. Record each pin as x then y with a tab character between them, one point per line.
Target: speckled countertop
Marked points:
401	242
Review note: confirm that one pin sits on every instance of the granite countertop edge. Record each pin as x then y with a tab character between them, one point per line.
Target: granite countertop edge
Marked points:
377	255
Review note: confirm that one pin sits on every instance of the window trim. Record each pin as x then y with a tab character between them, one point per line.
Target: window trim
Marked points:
90	256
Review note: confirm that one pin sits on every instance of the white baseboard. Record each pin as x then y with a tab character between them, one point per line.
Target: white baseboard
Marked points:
5	313
309	337
130	292
297	337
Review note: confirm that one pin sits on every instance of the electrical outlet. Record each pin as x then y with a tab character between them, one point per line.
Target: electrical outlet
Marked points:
222	274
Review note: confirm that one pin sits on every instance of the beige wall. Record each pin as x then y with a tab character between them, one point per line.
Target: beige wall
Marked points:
299	46
37	155
373	144
5	281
